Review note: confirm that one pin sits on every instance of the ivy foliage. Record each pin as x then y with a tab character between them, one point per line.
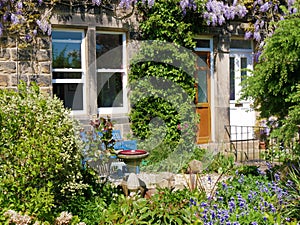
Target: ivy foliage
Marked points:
162	81
274	85
40	157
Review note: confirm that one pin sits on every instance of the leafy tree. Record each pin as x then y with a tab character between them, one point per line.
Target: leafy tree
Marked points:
274	85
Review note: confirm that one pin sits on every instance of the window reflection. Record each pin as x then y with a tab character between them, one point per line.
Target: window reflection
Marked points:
70	94
202	86
109	50
110	90
66	55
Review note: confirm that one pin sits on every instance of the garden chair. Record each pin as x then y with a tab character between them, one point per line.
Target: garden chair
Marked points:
121	144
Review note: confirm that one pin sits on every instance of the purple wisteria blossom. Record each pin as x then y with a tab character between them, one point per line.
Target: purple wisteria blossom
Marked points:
126	3
265	7
19	5
188	4
248	35
96	2
257	36
44	26
217	12
28	37
14	19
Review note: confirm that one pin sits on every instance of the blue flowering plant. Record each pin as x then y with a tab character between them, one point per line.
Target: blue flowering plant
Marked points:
245	199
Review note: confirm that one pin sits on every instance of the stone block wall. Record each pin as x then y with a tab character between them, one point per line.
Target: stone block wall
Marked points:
31	63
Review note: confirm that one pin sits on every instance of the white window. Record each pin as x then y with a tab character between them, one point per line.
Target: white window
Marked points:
111	72
68	73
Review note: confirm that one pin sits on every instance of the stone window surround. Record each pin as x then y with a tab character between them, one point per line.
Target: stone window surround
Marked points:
90	82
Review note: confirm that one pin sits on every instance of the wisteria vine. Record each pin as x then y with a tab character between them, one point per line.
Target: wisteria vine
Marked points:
28	18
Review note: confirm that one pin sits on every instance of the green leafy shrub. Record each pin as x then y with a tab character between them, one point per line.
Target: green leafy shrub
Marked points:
165	207
89	208
40	158
221	163
175	162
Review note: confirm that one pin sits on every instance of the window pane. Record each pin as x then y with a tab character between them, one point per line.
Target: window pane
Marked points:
202	61
66	75
243	68
202	86
62	35
66	55
110	89
200	43
109	51
70	94
232	79
241	44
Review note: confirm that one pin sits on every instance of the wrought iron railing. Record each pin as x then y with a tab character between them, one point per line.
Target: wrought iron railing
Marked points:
252	143
247	142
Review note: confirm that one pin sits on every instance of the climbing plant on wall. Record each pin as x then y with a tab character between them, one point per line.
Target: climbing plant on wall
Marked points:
162	82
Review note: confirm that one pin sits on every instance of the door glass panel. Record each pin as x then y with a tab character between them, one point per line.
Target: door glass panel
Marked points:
232	79
109	51
243	68
202	62
202	86
110	90
70	94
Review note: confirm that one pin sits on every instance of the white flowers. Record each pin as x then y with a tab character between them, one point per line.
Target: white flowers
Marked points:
14	217
17	218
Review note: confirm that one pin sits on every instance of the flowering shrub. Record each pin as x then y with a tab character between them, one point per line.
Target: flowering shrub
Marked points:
64	218
39	153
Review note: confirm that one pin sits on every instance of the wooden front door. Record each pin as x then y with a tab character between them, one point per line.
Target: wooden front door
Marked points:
202	75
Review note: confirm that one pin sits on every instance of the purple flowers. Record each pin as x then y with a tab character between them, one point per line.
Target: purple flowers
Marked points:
217	12
96	2
188	4
265	7
125	3
242	198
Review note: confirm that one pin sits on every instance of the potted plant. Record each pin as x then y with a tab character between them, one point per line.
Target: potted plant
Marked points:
261	133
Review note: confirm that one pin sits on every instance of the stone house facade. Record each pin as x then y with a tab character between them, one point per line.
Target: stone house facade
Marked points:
75	64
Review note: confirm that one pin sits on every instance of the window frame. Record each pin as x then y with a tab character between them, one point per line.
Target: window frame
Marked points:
124	74
82	70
